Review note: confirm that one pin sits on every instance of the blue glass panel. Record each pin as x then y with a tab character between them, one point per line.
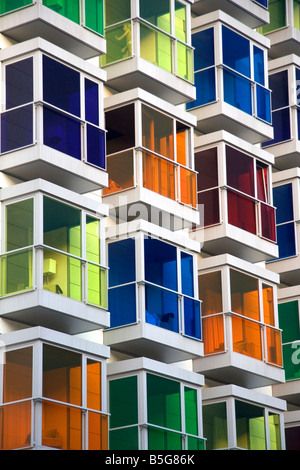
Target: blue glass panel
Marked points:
263	103
192	326
237	91
205	88
91	90
161	308
19	83
281	126
263	3
121	262
187	274
278	83
298	123
61	86
160	263
298	86
283	201
286	240
204	55
236	51
62	133
16	128
259	67
95	146
122	305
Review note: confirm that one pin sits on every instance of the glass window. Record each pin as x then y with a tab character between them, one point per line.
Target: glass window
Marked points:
191	410
236	51
158	132
162	308
122	305
274	429
268	304
17	375
288	313
180	21
19	83
10	5
94	15
237	91
187	274
278	83
259	66
283	201
91	101
206	164
250	426
210	292
19	224
204	55
15	426
62	133
240	171
215	426
93	384
277	16
296	8
120	129
244	295
163	402
123	402
241	212
161	263
156	47
68	8
157	12
17	128
116	11
121	260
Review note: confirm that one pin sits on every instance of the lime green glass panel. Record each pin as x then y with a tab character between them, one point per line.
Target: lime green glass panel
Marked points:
288	313
191	411
250	426
291	360
180	21
277	16
159	439
19	225
10	5
124	439
156	47
62	274
215	426
296	4
123	402
184	61
68	8
94	15
93	239
157	12
163	402
195	444
118	43
97	285
274	427
116	11
16	272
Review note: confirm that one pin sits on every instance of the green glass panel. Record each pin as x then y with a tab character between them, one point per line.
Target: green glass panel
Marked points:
163	402
19	225
277	16
68	8
180	21
184	61
156	47
116	11
288	314
195	444
291	360
97	285
93	239
16	272
296	4
191	411
10	5
118	43
250	426
124	439
123	402
157	12
215	426
159	439
62	274
274	427
94	15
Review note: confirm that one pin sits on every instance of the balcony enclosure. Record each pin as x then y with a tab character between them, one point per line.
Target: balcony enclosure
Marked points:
231	79
235	419
149	156
64	407
52	19
53	249
149	38
239	317
234	197
52	113
153	295
167	418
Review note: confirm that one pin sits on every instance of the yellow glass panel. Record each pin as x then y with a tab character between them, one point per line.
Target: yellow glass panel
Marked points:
156	47
119	43
158	175
62	274
274	426
268	305
16	272
184	61
180	21
274	347
17	375
61	427
15	426
188	194
210	292
98	431
213	334
246	337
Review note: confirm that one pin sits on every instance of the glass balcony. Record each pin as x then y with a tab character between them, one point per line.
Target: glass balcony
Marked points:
161	428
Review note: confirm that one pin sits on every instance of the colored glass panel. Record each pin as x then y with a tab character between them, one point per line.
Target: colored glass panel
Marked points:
67	8
61	426
191	411
213	334
259	66
274	351
291	360
277	16
246	337
278	83
97	431
91	95
209	200
192	325
62	133
194	443
19	83
292	438
288	313
180	21
157	12
182	143
268	226
118	41
95	146
159	175
157	132
94	15
93	384
124	439
215	426
241	212
250	426
296	9
97	285
187	274
237	91
274	429
205	83
162	308
16	272
17	128
185	62
156	47
120	169
17	375
210	292
161	263
19	225
15	426
120	129
121	261
268	304
286	240
262	182
206	164
159	439
116	11
263	103
244	295
236	51
203	43
240	171
163	402
188	194
123	402
92	234
122	305
10	5
283	201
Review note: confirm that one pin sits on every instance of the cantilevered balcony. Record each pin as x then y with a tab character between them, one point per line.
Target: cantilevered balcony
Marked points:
234	198
149	46
53	392
239	419
153	293
154	406
52	119
76	26
230	78
53	269
253	13
241	336
150	161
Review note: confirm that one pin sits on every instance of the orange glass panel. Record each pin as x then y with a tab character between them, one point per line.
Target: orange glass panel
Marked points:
93	380
120	171
244	295
181	145
158	132
62	427
17	375
188	193
15	426
268	305
158	175
210	292
246	337
274	346
213	334
98	431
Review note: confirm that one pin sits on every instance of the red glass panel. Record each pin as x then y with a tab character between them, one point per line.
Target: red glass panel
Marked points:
206	164
213	334
210	201
240	171
268	224
241	212
262	183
